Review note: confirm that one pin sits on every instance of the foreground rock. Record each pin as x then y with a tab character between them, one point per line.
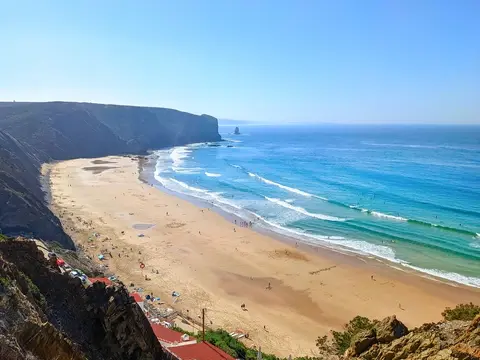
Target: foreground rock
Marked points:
450	340
46	315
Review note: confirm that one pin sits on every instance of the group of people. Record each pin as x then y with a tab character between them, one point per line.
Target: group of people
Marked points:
245	223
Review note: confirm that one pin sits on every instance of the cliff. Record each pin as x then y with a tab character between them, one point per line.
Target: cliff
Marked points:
390	340
35	133
46	315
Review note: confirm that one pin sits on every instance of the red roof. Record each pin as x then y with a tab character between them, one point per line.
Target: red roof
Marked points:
104	280
136	297
60	262
167	335
199	351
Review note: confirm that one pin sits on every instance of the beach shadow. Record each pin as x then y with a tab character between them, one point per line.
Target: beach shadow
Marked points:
98	169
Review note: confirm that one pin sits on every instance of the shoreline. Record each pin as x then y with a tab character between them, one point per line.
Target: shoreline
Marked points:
197	253
147	168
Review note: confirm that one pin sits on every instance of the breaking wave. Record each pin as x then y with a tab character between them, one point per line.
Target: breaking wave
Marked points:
303	211
270	182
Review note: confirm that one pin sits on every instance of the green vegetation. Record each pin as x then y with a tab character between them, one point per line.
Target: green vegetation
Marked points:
3	237
37	295
233	347
4	281
342	339
464	312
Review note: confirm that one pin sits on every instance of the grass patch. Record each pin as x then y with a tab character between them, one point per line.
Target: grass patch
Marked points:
4	281
233	347
33	289
465	312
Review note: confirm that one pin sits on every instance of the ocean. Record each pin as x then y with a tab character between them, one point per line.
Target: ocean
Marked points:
406	194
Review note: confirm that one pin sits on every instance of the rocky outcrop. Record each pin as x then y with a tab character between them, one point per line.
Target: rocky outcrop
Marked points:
362	341
48	315
449	340
389	329
35	133
237	131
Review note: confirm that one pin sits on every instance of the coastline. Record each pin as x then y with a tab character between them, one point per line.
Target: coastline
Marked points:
146	174
199	255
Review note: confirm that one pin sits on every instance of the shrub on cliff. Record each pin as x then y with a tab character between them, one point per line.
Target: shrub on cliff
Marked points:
233	347
465	312
341	340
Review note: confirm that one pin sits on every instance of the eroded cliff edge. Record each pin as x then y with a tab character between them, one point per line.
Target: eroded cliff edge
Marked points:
35	133
47	315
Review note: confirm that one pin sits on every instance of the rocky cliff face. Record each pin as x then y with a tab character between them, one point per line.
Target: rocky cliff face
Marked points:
34	133
449	340
46	315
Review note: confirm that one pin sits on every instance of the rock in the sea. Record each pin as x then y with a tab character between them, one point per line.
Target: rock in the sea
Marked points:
390	329
237	131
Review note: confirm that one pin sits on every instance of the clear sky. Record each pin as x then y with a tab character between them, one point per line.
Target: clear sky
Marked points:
325	61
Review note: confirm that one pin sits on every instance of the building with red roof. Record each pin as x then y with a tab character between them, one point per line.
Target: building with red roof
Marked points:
104	280
199	351
169	337
138	299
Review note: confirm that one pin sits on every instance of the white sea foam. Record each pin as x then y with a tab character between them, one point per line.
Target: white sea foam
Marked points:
203	194
232	140
365	248
188	187
178	155
460	279
236	166
386	216
182	170
289	200
212	174
303	211
337	242
270	182
378	213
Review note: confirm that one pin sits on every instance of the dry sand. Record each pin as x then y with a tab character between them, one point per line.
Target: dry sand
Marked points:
198	254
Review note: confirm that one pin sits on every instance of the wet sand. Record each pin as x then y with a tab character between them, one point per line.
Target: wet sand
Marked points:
198	253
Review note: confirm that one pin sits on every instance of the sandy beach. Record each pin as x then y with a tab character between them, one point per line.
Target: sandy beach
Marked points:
217	265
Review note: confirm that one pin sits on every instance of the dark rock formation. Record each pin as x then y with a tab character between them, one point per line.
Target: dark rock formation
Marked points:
47	315
237	131
35	133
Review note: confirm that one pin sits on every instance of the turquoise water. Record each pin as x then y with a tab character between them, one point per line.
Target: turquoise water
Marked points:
407	194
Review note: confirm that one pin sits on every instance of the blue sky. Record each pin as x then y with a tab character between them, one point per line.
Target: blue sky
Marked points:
310	61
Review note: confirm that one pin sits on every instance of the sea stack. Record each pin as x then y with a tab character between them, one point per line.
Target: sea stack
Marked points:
237	131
